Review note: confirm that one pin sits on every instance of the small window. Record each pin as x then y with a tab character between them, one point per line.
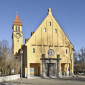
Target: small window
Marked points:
66	51
33	50
55	30
17	40
44	29
50	23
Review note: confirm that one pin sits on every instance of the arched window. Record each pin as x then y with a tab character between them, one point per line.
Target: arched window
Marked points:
55	30
18	28
50	23
44	29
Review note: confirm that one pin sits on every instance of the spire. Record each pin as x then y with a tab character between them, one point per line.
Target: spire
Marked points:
49	11
17	21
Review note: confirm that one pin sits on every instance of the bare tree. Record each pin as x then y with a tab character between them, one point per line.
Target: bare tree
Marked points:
75	56
7	60
81	56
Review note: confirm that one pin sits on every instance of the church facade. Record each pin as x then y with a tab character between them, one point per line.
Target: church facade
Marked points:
48	52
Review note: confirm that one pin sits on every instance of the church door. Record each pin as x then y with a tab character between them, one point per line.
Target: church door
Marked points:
50	69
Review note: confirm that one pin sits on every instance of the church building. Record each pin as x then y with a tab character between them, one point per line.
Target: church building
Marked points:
47	53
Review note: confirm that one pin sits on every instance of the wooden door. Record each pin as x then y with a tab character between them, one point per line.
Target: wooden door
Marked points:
51	69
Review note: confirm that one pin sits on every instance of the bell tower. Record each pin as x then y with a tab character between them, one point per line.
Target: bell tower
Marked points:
17	35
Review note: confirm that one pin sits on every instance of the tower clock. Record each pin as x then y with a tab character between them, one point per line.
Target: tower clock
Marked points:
17	36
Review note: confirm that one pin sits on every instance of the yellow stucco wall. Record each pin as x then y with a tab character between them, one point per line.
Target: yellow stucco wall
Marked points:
17	42
43	41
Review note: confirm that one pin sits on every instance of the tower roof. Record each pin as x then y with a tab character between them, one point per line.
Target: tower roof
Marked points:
17	21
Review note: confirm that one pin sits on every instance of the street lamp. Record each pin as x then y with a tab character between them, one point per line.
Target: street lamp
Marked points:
21	53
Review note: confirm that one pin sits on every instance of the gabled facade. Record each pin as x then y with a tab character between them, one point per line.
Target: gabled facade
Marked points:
48	52
49	36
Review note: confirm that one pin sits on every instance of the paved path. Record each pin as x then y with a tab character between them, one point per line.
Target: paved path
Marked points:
40	81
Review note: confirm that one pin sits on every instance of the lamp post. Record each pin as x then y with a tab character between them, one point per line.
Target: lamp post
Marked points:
21	53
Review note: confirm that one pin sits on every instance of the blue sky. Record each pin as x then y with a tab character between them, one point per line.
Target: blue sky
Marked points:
70	14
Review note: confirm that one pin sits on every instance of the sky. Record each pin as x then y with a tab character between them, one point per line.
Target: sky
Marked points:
70	15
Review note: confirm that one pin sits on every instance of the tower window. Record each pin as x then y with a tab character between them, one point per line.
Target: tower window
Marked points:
18	28
44	29
55	30
33	50
66	51
50	23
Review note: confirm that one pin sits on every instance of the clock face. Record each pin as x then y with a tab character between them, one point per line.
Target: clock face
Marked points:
18	35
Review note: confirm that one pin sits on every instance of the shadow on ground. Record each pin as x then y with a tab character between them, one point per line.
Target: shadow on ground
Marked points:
15	83
48	81
73	79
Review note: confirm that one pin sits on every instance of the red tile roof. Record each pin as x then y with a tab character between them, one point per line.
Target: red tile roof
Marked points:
32	33
17	21
26	40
